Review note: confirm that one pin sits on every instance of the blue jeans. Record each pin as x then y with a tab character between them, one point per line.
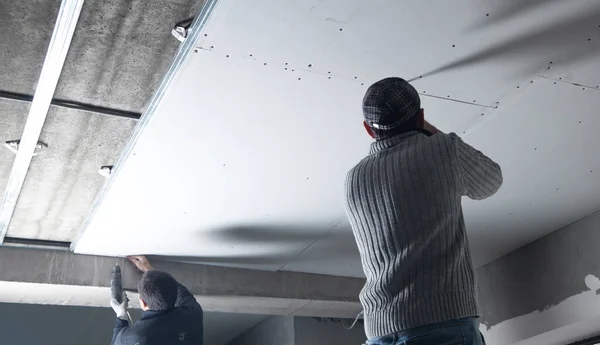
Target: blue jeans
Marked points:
455	332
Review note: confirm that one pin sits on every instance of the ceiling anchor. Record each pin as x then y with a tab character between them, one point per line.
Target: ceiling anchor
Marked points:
182	29
13	146
105	170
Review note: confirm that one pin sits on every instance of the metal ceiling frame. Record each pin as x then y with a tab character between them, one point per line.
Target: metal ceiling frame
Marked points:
185	49
68	15
67	104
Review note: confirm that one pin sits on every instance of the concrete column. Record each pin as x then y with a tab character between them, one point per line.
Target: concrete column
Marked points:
297	330
61	277
276	330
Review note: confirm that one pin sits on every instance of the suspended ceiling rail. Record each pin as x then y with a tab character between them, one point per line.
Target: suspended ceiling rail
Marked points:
60	42
35	243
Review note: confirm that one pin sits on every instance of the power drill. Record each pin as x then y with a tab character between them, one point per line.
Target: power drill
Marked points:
116	286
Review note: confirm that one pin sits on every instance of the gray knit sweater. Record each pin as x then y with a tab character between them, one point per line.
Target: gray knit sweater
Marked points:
404	205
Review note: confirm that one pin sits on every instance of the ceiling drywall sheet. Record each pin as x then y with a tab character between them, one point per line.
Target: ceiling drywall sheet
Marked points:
248	177
493	47
244	160
264	172
545	140
334	252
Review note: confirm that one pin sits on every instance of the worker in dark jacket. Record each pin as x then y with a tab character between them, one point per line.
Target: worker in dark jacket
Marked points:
171	313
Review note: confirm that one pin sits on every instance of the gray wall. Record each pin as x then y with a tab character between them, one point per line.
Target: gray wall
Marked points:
311	331
276	330
31	324
544	285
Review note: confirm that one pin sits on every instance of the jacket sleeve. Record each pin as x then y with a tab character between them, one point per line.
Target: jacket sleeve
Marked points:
480	176
186	300
120	327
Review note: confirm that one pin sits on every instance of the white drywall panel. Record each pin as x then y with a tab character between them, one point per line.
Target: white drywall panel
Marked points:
333	253
244	148
545	140
466	49
244	160
243	164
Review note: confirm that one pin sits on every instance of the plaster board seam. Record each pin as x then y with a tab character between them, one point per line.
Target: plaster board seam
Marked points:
558	80
350	79
327	233
458	101
503	101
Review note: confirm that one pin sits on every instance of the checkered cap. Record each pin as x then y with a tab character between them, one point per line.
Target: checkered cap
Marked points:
390	102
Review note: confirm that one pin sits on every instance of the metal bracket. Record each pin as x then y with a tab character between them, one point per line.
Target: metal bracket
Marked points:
181	29
105	170
13	145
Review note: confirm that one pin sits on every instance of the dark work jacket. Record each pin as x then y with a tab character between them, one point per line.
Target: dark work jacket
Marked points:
182	325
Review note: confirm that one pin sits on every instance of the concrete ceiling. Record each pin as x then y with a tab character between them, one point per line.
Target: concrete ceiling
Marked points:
29	324
262	121
120	52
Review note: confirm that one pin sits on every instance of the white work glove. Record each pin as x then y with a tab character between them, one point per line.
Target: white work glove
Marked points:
120	309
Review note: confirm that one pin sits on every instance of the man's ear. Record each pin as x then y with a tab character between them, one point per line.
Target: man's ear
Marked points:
421	118
143	305
369	129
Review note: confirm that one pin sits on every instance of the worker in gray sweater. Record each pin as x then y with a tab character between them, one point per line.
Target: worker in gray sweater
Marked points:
171	314
404	205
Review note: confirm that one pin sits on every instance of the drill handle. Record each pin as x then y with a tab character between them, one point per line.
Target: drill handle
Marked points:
116	286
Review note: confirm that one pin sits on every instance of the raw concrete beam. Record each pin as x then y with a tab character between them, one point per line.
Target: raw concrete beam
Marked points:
61	277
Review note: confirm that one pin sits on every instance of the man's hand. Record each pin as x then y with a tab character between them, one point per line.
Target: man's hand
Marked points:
140	262
120	309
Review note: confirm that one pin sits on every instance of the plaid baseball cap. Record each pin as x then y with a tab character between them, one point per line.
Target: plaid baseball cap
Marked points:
390	102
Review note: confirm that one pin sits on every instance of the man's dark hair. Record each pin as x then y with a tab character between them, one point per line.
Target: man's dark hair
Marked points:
158	289
411	124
